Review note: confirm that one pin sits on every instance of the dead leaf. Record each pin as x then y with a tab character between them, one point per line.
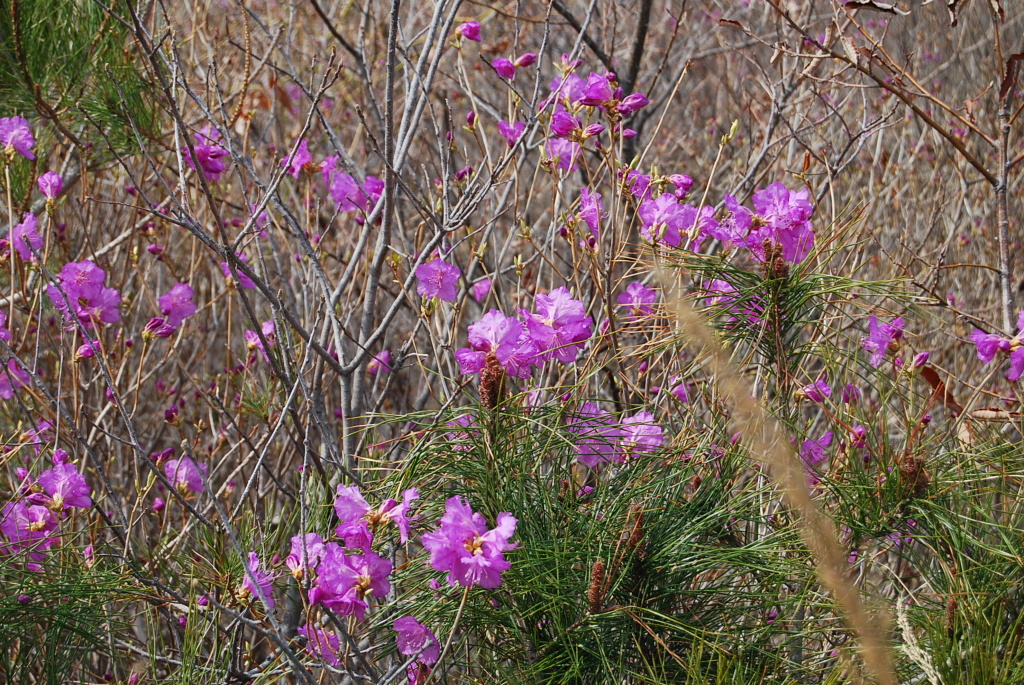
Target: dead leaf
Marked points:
994	415
939	390
1010	75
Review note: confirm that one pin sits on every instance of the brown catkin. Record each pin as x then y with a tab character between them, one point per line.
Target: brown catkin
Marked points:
595	594
492	382
635	543
915	477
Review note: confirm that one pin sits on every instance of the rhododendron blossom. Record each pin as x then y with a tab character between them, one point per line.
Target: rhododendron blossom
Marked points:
16	137
638	299
596	434
89	299
344	582
438	279
258	583
305	555
25	237
351	506
988	345
321	643
560	325
882	338
177	304
185	475
209	152
464	548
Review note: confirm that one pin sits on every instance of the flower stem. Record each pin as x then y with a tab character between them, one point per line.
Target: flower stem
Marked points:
451	635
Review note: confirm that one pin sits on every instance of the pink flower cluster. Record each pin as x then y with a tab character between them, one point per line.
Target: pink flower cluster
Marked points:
86	296
28	524
558	329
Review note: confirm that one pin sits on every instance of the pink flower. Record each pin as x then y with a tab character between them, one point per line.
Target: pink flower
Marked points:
640	434
321	644
379	363
345	582
564	124
14	378
512	132
480	290
414	638
560	327
662	220
786	217
505	68
243	280
851	394
177	304
184	475
306	553
565	154
639	185
881	338
26	234
502	336
27	527
466	549
638	298
812	454
524	60
16	137
591	210
596	434
4	333
470	30
92	303
50	185
209	153
299	160
253	342
817	391
258	583
350	506
632	103
65	487
597	91
438	279
988	345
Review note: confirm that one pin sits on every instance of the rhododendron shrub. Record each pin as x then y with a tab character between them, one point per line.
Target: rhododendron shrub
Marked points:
555	343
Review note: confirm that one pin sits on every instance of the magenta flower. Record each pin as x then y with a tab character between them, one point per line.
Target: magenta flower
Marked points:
50	185
350	197
345	582
351	506
679	389
415	638
438	279
155	328
560	327
988	345
640	434
5	334
597	91
812	454
563	124
258	583
16	137
300	159
502	336
785	219
683	184
639	185
253	342
321	644
817	391
851	394
564	154
27	527
184	475
632	103
480	290
92	303
466	549
177	305
591	210
15	377
505	68
638	298
209	153
882	338
596	434
512	132
305	555
64	487
526	59
25	237
470	30
243	280
380	363
662	220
